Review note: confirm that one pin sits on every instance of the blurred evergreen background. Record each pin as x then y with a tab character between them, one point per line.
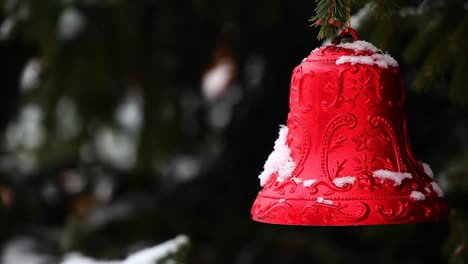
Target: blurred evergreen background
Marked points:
126	123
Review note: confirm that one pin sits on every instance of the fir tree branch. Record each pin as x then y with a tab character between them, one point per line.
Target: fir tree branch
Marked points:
328	11
331	15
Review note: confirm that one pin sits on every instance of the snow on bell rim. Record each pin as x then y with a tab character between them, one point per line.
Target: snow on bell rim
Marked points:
344	157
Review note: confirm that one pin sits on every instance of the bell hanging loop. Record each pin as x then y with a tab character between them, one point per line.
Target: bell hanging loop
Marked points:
346	32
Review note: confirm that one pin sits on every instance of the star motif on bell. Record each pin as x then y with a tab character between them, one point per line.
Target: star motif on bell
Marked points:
360	87
363	141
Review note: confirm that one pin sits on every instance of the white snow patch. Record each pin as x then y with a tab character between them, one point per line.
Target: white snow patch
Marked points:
129	113
145	256
27	132
15	16
319	47
437	189
381	60
341	181
186	167
217	79
73	182
428	170
23	250
324	201
363	13
397	177
6	27
279	161
308	183
415	195
70	23
325	43
297	180
116	147
359	45
158	252
76	258
30	76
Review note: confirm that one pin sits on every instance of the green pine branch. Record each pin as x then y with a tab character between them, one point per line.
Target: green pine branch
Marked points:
331	15
327	10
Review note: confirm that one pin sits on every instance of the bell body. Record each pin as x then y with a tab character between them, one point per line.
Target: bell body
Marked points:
344	157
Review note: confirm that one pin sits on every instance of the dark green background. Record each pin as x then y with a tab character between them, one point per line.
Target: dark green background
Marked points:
163	48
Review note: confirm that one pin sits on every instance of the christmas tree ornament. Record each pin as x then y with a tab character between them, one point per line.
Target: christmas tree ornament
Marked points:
344	157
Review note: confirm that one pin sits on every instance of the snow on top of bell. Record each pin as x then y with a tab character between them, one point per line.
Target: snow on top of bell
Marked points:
376	57
360	45
356	52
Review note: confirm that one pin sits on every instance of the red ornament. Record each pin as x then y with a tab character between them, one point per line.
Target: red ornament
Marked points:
344	157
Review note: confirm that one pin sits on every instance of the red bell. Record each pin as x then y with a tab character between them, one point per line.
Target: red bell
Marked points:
344	157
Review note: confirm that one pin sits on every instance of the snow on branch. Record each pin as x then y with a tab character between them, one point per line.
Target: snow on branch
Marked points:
75	258
150	255
30	76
